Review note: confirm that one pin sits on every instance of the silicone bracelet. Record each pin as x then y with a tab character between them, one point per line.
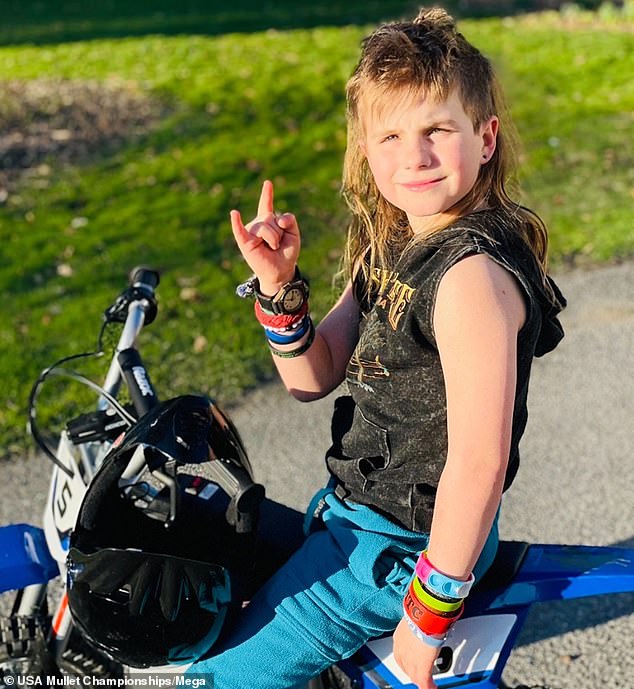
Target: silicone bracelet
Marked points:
294	342
291	353
435	641
440	583
287	336
428	599
293	327
428	621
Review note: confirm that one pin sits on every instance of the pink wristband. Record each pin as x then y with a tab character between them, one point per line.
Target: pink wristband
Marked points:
423	567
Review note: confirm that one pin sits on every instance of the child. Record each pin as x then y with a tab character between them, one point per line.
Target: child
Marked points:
446	304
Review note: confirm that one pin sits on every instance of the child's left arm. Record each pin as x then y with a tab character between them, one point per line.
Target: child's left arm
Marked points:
478	313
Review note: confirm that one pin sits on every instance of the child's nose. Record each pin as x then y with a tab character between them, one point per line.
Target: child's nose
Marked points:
418	154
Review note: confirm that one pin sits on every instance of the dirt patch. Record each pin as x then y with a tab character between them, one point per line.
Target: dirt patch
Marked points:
62	121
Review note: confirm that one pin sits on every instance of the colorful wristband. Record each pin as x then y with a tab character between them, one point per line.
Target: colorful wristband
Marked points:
300	349
428	599
428	621
293	327
440	583
271	320
288	336
285	344
435	641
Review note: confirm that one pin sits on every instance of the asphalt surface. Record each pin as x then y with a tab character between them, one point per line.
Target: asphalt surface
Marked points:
575	483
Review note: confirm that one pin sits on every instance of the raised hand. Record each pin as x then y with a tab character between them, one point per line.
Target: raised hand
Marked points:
270	243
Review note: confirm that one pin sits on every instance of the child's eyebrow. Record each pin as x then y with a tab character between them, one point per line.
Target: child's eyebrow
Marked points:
442	123
384	128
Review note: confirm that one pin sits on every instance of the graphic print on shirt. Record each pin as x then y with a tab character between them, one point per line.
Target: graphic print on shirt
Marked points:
360	370
393	295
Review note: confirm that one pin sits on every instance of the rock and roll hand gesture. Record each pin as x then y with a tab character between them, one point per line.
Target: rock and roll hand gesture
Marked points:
270	243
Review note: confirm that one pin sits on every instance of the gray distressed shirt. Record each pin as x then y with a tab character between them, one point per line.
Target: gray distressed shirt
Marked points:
389	435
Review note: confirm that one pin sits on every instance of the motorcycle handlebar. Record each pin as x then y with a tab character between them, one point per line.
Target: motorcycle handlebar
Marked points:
137	381
135	307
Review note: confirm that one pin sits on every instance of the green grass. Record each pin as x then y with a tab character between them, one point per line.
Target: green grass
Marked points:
239	108
46	22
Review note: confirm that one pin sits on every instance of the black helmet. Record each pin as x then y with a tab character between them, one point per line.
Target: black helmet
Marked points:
164	536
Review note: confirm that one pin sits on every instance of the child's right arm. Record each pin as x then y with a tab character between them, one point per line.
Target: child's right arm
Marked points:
270	245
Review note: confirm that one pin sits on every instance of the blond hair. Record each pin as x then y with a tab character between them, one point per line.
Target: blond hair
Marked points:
429	56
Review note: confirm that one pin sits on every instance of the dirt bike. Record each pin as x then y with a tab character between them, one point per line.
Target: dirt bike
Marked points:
37	643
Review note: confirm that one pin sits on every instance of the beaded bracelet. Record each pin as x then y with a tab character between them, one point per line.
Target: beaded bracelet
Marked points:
424	596
288	335
440	583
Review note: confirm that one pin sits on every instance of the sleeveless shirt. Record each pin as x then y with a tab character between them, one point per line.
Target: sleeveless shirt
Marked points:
389	434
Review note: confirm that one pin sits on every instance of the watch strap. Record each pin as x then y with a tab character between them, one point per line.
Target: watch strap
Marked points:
271	304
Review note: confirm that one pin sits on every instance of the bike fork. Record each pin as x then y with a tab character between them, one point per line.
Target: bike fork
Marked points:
30	600
61	628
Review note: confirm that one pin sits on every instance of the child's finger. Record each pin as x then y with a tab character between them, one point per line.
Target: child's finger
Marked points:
270	235
246	239
265	205
287	222
240	232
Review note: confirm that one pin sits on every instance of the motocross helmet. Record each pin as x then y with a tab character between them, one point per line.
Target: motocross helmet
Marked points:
163	536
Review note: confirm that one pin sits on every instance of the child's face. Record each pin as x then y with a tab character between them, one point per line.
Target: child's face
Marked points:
425	155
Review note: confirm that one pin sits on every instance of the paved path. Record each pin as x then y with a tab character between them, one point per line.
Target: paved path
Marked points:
575	483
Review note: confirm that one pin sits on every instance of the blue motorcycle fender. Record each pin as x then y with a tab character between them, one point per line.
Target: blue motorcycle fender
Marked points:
24	557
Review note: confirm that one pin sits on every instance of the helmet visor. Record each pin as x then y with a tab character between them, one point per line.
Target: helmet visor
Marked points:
167	609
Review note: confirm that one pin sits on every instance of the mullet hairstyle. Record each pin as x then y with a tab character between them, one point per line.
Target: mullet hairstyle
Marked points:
404	59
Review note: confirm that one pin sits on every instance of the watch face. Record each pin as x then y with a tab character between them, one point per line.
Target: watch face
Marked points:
293	299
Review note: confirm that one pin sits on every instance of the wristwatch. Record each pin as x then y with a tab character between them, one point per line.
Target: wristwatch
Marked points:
288	300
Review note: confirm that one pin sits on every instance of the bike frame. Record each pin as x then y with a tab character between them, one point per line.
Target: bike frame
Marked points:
29	556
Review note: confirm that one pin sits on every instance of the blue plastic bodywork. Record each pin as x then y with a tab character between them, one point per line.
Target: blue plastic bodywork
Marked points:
24	557
562	572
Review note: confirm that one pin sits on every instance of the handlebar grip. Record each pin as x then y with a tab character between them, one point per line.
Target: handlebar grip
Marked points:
138	381
144	275
245	495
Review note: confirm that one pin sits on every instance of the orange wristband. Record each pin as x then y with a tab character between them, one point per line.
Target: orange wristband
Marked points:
428	621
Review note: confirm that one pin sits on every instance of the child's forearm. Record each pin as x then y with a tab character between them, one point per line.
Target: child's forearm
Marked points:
467	500
479	312
311	375
321	368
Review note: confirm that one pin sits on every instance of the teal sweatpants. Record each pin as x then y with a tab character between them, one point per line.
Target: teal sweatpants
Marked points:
344	586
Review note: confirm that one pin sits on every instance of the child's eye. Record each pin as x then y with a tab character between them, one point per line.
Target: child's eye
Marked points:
389	137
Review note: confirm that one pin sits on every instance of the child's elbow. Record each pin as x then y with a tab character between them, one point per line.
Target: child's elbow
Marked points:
305	395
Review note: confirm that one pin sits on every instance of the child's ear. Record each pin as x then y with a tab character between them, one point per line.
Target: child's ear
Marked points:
489	133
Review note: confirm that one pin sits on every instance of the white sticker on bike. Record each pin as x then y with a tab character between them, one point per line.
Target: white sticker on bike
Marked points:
475	644
64	500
